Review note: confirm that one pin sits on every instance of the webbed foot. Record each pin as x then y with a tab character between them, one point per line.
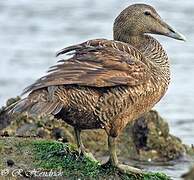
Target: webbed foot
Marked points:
89	155
113	161
128	169
123	168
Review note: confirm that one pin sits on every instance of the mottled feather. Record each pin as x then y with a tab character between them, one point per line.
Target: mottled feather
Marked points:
96	67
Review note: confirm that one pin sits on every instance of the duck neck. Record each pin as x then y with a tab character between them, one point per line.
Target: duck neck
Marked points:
134	40
152	50
149	47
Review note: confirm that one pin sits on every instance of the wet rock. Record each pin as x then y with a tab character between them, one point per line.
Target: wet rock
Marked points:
152	133
145	139
5	119
140	132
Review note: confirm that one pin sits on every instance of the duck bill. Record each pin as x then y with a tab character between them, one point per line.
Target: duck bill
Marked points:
171	32
174	34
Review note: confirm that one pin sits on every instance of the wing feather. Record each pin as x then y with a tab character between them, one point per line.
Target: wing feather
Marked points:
98	64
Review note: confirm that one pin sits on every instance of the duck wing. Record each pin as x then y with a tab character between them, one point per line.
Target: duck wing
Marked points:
96	64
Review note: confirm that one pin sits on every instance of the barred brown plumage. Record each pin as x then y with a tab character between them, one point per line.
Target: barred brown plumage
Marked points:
106	83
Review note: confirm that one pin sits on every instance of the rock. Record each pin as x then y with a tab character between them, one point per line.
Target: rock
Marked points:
145	139
37	158
10	162
5	120
153	140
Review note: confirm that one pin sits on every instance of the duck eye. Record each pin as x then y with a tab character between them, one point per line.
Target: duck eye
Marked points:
147	13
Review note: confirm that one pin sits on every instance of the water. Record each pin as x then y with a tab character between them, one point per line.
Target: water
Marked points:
32	31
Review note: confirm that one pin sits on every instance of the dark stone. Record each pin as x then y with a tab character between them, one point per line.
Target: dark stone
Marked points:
140	133
4	134
10	162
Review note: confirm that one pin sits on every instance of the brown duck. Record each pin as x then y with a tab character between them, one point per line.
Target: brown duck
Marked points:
107	83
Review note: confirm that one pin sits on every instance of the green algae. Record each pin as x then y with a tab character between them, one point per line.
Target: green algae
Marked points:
55	155
30	153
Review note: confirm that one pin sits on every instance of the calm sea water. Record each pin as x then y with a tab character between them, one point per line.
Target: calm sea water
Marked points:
32	31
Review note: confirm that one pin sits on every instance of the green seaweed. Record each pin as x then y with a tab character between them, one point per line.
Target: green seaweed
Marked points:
33	153
56	155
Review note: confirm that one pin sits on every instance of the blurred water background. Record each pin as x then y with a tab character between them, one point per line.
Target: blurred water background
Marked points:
31	31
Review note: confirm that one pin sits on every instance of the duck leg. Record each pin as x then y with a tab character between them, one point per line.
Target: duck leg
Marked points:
80	145
81	148
114	160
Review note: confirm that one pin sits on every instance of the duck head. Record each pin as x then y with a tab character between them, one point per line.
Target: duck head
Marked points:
139	19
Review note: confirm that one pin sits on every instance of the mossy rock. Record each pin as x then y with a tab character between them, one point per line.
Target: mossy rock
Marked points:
46	156
145	139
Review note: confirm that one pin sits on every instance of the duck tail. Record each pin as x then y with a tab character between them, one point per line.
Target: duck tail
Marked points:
7	113
36	104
